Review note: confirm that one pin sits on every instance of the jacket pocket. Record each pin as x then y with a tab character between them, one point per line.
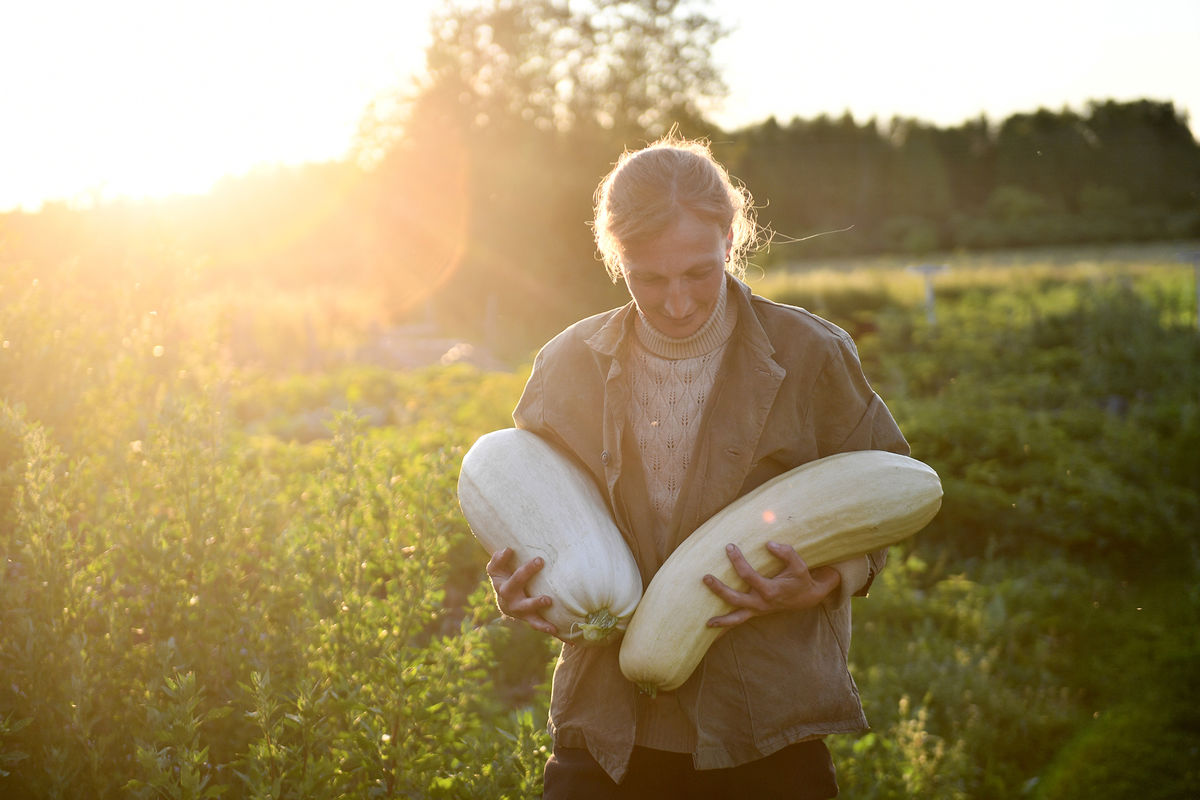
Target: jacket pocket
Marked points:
792	673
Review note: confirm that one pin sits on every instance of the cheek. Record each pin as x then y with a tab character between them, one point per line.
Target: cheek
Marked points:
711	290
644	297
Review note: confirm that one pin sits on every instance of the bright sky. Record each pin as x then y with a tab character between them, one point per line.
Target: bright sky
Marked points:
148	97
945	61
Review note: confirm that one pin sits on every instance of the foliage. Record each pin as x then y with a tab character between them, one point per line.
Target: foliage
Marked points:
1115	172
634	65
199	597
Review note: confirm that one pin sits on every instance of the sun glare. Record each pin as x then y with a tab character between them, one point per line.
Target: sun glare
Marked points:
135	98
143	97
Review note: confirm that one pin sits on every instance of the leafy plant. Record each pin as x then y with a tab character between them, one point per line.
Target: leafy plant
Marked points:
197	601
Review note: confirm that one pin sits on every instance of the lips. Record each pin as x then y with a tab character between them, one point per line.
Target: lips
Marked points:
679	328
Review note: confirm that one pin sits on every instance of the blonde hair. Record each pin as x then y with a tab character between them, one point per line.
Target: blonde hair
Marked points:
648	189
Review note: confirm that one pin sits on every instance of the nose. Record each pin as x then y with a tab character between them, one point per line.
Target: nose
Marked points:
678	303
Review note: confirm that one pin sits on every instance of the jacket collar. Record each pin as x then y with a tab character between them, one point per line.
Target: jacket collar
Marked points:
753	333
607	340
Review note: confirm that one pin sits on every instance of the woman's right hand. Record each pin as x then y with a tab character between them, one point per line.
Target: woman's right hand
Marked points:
511	596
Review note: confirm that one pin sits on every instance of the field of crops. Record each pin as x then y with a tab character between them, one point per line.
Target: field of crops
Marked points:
224	577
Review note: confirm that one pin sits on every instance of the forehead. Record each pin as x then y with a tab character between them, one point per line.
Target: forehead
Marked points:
688	242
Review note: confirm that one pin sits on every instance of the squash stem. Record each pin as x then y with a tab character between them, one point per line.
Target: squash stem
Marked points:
599	625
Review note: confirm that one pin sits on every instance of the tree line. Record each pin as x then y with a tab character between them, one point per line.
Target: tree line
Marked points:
1115	171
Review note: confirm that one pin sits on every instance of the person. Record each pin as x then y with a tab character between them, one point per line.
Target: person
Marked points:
686	398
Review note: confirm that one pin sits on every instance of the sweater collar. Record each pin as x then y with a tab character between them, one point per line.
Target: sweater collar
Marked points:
608	339
712	334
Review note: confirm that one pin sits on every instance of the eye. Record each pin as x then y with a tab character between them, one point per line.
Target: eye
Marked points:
647	280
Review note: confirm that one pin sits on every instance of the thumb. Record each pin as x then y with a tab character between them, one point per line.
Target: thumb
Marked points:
826	576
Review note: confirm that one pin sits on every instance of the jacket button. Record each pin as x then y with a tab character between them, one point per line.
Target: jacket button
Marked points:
604	457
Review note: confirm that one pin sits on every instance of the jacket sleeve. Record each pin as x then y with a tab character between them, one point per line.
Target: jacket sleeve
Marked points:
860	421
857	417
530	413
856	575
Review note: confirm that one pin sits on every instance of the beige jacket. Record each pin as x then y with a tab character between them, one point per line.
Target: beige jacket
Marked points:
790	390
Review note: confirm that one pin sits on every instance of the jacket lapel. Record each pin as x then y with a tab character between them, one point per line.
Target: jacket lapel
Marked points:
623	477
607	346
733	421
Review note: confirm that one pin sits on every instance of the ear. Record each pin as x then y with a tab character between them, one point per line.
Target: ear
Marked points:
728	244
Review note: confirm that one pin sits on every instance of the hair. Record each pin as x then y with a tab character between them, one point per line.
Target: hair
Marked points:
648	189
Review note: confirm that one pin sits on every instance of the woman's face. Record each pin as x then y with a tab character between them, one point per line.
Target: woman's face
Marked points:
675	279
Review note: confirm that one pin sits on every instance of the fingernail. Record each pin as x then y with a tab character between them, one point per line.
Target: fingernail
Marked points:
729	548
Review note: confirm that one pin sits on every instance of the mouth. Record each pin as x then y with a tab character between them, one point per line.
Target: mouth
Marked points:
679	323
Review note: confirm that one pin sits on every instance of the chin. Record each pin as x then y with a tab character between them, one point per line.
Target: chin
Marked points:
677	330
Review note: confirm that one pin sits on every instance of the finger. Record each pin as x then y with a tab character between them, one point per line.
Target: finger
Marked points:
511	590
736	617
788	555
497	565
529	607
529	610
795	571
525	605
731	595
538	623
511	596
826	578
524	573
754	579
512	585
513	601
541	625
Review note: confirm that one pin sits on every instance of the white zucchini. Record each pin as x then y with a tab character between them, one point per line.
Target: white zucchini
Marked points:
518	491
829	510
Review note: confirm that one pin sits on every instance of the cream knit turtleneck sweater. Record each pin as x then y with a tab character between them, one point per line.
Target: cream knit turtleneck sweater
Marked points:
672	380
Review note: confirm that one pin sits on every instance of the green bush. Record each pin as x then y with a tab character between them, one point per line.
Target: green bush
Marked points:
220	581
1148	747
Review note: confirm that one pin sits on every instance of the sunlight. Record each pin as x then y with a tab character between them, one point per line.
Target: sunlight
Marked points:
143	99
134	97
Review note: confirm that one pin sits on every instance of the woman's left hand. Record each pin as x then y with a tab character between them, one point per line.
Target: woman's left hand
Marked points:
795	588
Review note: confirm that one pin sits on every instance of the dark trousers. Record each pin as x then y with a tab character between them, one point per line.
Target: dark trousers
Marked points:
802	771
